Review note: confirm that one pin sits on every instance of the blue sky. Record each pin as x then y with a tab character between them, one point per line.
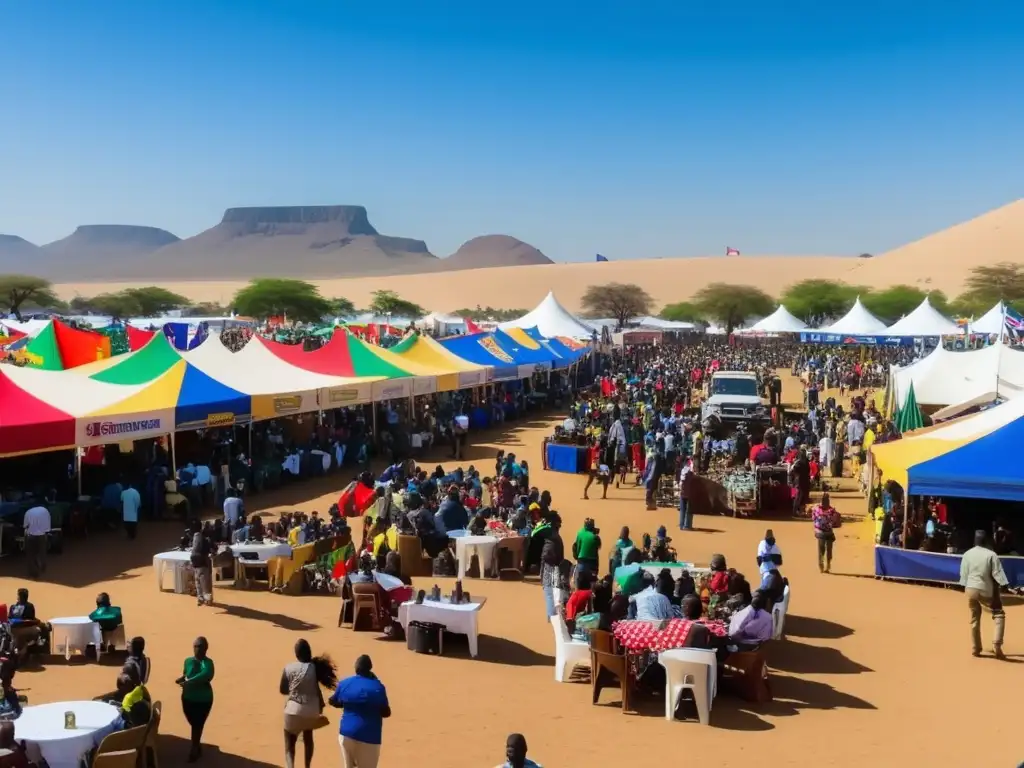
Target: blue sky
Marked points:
630	129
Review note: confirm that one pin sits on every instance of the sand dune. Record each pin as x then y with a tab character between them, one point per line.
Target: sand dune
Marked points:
941	261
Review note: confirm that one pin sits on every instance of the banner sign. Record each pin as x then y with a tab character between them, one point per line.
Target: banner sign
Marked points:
288	404
121	429
868	341
220	419
488	343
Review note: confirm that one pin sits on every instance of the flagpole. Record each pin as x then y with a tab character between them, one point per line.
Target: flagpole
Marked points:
999	352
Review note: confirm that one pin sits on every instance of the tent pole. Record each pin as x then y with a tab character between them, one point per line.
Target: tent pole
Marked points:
174	458
249	454
412	409
78	468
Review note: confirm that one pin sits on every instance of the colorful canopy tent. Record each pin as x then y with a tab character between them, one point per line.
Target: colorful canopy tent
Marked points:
60	347
529	353
568	349
458	373
180	398
345	355
29	424
484	349
779	321
10	334
925	320
153	360
277	388
898	458
138	337
945	377
857	322
552	319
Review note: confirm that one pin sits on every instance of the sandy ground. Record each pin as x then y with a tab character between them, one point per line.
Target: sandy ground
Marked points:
855	679
941	261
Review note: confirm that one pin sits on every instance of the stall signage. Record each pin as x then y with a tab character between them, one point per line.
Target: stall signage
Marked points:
117	428
220	419
389	393
288	404
343	395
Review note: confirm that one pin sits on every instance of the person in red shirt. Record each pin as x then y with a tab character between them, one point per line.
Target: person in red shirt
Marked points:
580	599
941	511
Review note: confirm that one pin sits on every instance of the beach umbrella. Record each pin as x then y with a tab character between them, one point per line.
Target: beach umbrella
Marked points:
909	416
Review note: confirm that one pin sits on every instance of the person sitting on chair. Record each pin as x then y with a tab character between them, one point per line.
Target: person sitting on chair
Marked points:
12	753
107	616
26	629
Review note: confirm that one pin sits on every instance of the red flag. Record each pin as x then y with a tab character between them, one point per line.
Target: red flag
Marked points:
731	251
472	327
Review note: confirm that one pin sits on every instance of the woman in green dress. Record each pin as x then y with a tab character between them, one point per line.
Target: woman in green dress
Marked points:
197	693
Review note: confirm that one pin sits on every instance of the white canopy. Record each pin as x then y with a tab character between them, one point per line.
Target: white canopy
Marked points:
552	319
857	322
991	322
780	321
947	377
926	320
663	325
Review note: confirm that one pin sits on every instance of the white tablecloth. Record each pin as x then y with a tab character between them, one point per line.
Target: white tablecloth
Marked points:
42	729
73	633
482	546
675	569
461	619
177	562
263	552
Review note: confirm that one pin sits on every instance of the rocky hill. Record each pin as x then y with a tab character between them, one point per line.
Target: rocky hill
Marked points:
100	251
17	254
494	251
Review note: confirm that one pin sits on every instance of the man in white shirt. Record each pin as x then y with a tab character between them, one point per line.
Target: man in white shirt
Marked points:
768	554
130	503
37	529
982	576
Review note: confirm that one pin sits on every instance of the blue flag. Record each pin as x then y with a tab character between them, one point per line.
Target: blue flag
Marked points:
601	258
1014	321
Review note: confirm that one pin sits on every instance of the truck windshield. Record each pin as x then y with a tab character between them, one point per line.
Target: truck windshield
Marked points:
723	386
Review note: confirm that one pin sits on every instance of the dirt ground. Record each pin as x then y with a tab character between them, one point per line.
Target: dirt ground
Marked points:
854	681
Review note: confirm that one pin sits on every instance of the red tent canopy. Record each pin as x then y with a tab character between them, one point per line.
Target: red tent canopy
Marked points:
28	424
78	347
138	338
333	358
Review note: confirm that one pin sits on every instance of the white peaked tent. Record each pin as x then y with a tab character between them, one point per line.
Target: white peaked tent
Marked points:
552	319
946	377
926	320
779	321
991	322
857	322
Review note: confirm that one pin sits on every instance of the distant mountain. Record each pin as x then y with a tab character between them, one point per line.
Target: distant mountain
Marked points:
100	251
17	255
494	251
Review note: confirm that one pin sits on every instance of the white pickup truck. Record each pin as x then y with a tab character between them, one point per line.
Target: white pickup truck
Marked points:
733	396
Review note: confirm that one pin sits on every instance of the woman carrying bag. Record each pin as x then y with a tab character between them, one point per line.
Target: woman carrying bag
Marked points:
303	712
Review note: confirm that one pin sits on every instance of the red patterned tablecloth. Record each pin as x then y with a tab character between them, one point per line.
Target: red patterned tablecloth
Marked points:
637	636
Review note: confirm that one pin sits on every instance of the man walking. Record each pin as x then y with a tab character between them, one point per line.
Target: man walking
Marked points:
364	704
37	529
130	503
982	576
685	513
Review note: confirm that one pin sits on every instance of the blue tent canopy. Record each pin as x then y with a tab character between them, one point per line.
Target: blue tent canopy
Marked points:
568	354
542	357
987	468
483	349
205	402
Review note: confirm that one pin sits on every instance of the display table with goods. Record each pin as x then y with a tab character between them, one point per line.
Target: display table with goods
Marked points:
458	615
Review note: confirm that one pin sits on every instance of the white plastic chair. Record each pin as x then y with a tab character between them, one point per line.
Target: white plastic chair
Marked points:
779	611
693	668
569	653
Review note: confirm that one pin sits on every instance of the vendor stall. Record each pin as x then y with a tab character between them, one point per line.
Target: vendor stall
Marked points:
914	565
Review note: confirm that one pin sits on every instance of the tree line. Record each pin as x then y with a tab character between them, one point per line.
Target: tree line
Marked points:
813	301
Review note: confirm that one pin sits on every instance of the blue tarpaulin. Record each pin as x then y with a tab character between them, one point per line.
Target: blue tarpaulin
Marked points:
483	349
986	468
913	565
205	402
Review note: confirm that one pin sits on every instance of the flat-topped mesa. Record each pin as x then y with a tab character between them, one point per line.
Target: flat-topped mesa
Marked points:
15	240
352	218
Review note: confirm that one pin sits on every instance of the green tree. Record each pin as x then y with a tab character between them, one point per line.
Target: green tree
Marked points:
117	305
489	313
272	296
154	300
390	303
899	300
342	306
683	312
812	300
997	282
79	304
729	305
206	309
18	290
622	301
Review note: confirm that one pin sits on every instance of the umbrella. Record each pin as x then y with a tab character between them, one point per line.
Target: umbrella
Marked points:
909	416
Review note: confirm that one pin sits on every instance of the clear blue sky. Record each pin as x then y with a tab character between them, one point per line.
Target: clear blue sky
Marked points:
630	129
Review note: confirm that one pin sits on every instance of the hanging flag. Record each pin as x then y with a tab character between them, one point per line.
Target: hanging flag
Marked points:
601	258
202	331
731	251
1014	321
472	327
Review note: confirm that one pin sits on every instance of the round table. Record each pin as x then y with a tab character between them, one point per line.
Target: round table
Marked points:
74	633
178	561
42	729
482	546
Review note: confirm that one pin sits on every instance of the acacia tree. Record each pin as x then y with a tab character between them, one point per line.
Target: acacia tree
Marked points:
117	305
272	296
729	305
899	300
21	289
683	312
622	301
390	303
812	300
342	306
154	300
